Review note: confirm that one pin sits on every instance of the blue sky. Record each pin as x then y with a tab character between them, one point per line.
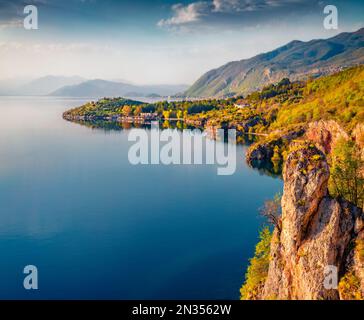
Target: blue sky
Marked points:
156	41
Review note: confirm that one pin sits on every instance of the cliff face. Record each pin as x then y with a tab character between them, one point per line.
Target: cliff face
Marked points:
263	151
325	134
317	232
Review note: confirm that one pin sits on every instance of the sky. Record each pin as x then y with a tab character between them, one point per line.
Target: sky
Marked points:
156	42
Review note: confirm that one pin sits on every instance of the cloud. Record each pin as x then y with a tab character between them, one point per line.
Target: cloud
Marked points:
14	23
238	5
252	5
186	14
227	11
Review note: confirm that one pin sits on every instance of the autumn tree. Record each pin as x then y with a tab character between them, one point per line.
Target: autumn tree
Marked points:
179	114
137	111
271	210
126	111
166	114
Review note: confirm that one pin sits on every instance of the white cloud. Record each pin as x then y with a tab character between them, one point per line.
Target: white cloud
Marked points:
186	14
15	23
237	5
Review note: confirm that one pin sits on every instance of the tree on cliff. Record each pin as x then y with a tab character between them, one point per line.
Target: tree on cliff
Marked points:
347	167
272	211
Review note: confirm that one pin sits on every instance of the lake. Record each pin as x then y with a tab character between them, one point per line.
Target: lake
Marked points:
97	227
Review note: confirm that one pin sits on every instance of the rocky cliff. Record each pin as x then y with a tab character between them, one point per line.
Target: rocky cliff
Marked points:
317	233
325	134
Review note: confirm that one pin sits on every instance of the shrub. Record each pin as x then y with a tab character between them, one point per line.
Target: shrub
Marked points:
360	249
349	287
345	179
258	268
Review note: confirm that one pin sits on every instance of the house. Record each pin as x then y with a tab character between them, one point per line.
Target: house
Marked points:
242	105
149	115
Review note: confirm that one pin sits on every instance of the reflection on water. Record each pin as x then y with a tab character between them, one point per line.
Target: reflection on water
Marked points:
272	169
117	126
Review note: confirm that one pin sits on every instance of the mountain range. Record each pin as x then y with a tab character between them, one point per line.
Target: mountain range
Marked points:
104	88
297	60
45	85
37	87
76	86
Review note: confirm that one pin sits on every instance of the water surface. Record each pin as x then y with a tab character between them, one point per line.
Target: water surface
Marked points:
98	227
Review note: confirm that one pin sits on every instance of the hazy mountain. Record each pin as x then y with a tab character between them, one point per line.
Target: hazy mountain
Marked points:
295	60
121	80
9	86
45	85
103	88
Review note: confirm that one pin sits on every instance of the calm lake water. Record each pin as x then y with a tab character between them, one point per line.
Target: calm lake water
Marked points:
98	227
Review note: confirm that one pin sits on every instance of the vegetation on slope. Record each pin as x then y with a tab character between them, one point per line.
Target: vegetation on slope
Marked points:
349	287
286	107
103	107
338	97
258	268
120	106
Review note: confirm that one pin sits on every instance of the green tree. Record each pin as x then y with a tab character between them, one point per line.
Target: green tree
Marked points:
346	178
